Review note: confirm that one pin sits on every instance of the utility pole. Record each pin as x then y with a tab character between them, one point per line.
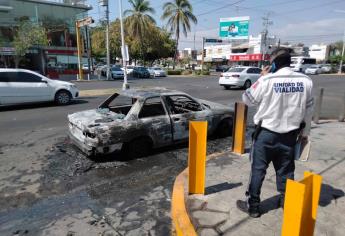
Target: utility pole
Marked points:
105	3
342	55
266	22
107	39
202	53
79	50
123	50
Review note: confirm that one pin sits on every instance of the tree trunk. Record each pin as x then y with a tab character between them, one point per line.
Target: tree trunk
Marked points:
175	54
16	61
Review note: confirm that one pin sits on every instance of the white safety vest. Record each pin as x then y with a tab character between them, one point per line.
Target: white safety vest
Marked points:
284	100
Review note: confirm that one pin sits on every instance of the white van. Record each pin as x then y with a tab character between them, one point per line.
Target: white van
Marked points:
25	86
299	64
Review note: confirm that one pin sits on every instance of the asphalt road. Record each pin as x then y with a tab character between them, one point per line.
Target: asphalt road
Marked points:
49	187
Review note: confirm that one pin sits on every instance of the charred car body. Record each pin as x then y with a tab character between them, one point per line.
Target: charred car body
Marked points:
137	120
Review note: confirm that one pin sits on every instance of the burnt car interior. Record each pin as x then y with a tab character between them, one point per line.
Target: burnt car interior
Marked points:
180	104
152	107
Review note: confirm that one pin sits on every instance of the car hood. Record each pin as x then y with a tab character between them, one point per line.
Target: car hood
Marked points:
60	82
95	117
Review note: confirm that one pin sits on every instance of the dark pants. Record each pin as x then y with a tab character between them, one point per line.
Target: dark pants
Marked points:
278	148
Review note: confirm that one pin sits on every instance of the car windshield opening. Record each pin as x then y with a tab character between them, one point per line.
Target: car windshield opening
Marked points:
118	104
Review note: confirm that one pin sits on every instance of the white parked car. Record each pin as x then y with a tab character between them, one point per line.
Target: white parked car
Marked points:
129	69
242	76
157	72
326	68
25	86
313	70
117	73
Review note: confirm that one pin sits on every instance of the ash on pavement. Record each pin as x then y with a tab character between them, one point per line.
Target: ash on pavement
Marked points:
111	196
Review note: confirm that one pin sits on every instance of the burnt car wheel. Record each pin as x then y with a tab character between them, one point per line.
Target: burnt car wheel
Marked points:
63	97
137	148
224	128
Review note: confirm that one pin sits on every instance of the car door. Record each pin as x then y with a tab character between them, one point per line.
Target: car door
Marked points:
29	87
251	74
154	117
183	109
5	90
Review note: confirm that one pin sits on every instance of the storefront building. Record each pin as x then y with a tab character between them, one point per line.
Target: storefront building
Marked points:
58	18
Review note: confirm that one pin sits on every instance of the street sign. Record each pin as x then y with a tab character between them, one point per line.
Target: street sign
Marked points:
125	54
85	21
213	41
234	27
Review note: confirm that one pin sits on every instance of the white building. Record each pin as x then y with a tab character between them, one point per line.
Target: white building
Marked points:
319	52
245	51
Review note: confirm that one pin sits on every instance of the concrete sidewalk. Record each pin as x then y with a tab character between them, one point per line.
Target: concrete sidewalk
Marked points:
215	213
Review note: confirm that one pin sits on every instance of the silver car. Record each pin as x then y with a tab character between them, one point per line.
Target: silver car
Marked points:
137	120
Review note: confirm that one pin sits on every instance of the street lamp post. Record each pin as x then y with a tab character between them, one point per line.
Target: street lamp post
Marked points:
124	53
342	55
105	3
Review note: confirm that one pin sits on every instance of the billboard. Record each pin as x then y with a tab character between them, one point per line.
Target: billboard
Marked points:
234	27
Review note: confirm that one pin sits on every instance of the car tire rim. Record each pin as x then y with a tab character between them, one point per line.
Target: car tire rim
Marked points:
247	84
63	98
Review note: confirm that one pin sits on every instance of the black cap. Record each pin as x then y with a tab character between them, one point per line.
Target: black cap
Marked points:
281	57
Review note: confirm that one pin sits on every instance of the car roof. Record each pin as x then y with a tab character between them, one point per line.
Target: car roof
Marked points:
150	92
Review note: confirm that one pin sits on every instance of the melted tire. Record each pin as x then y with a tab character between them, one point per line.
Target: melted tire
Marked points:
224	129
137	148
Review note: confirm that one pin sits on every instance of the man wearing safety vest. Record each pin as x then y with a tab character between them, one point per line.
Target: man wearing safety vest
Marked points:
284	110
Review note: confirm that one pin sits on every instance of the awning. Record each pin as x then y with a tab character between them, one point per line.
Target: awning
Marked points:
249	57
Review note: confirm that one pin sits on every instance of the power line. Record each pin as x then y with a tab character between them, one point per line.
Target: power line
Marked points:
219	8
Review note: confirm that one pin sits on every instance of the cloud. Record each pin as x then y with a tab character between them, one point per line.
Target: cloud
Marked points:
310	32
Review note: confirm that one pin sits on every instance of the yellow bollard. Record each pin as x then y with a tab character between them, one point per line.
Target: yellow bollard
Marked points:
300	206
197	156
239	129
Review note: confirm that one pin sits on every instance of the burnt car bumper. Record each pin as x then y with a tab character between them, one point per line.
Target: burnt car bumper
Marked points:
79	140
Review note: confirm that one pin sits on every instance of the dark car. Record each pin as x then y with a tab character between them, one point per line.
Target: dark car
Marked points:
137	120
222	68
141	72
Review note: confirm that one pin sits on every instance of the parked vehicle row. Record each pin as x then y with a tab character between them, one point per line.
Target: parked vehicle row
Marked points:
117	72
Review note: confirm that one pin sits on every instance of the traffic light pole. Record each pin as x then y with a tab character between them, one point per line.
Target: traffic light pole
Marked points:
79	50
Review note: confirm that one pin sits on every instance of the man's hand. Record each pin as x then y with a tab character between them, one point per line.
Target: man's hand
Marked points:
265	70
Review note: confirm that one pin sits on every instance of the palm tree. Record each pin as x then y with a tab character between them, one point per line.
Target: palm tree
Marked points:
179	14
138	19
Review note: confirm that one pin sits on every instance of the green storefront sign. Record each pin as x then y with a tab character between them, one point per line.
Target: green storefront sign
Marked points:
234	27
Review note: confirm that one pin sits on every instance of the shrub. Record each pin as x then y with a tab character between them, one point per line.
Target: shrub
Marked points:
174	72
186	72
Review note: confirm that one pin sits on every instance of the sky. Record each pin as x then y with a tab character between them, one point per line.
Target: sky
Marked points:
294	21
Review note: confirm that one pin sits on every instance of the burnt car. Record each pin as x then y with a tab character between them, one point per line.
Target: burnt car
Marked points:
137	120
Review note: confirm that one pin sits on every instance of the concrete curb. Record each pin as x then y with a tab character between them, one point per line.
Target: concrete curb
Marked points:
181	221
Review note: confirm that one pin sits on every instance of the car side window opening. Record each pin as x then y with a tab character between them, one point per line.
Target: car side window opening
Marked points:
152	107
25	77
6	76
179	104
250	71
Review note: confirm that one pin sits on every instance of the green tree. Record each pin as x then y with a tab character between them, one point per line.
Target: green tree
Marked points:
27	36
179	15
98	40
138	20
